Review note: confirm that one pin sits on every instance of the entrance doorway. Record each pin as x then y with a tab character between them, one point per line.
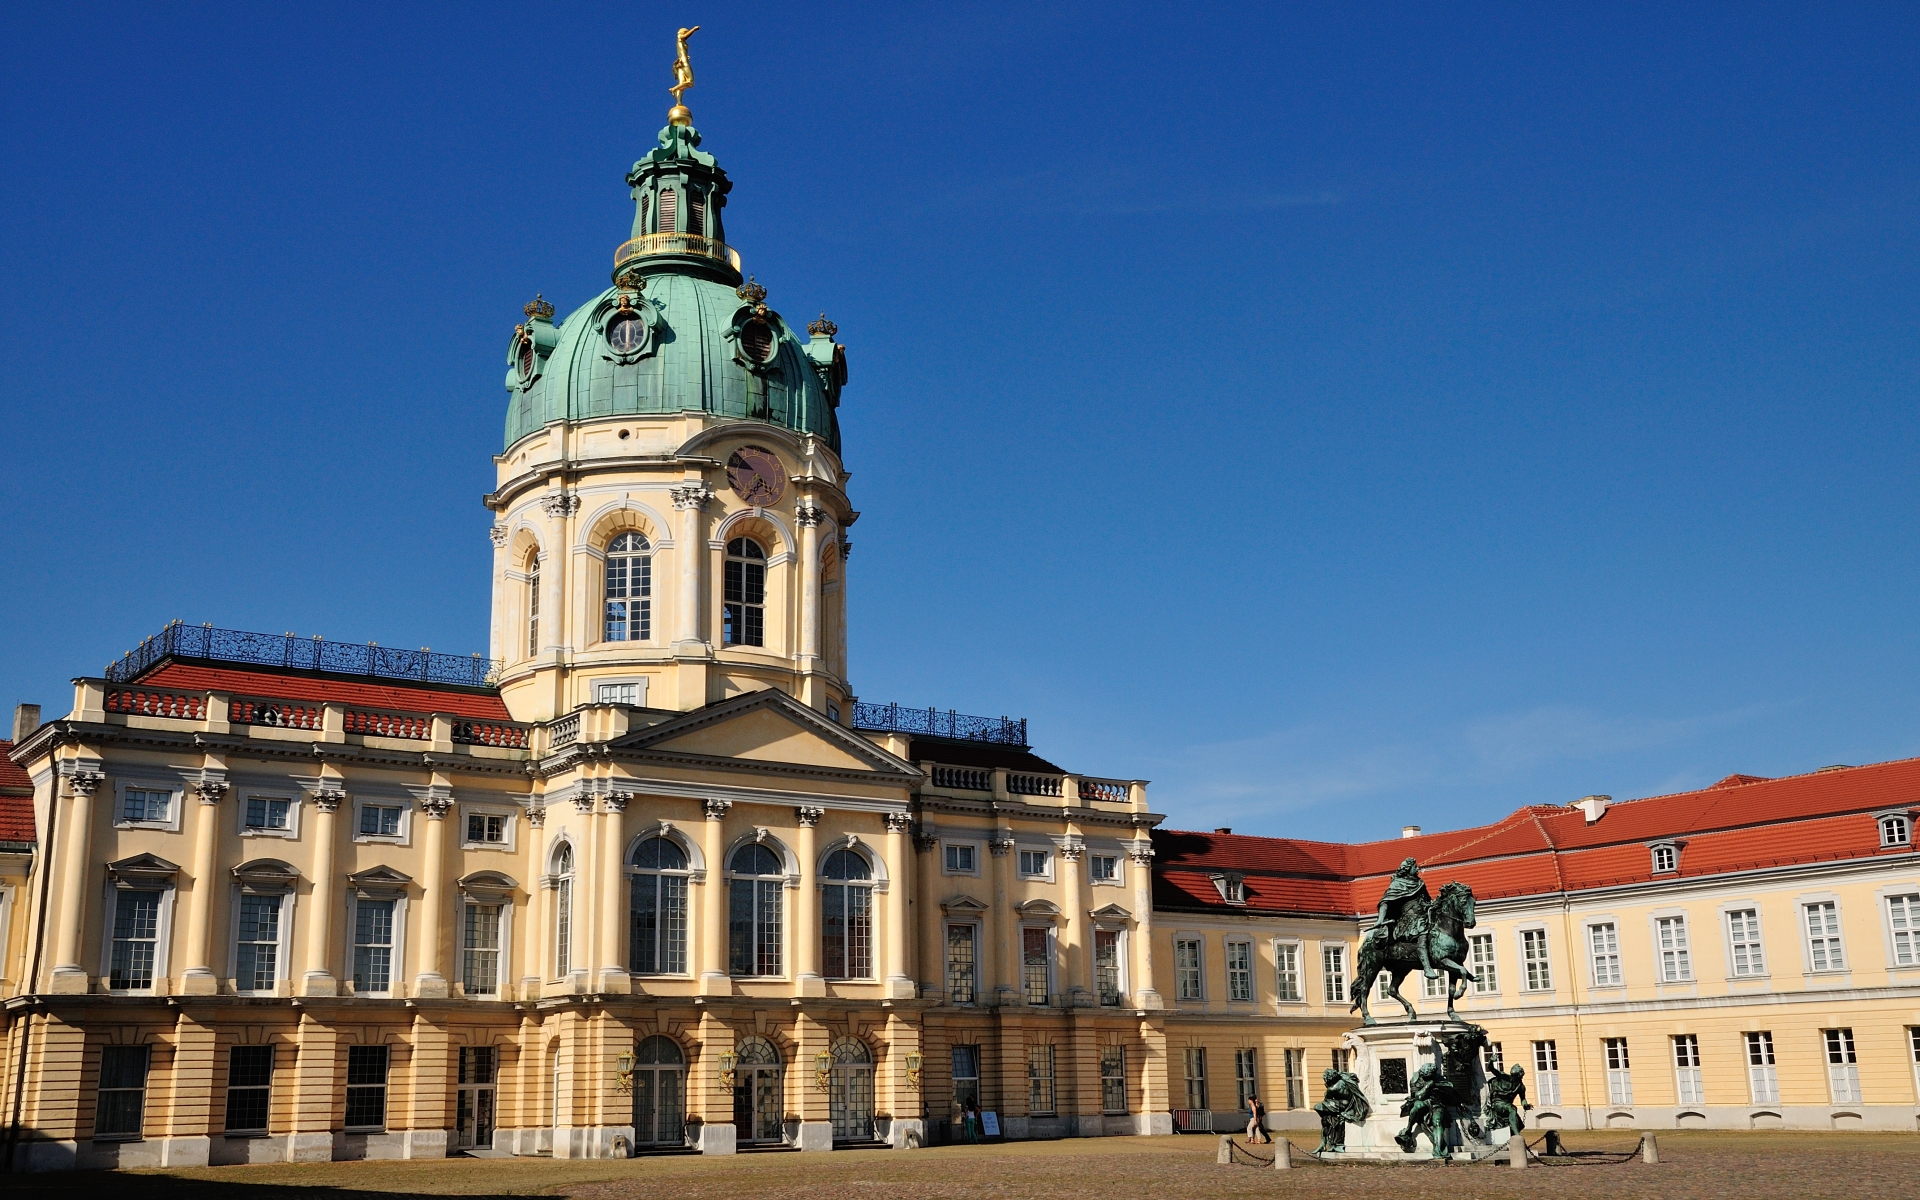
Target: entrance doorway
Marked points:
473	1114
850	1091
659	1093
758	1114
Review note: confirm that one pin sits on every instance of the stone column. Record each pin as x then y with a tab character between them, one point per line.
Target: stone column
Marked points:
558	506
199	979
713	905
1076	948
809	514
811	1038
190	1093
432	980
432	1066
319	979
68	973
932	963
899	892
315	1059
1003	960
1144	993
614	977
707	1096
534	938
689	624
500	638
807	931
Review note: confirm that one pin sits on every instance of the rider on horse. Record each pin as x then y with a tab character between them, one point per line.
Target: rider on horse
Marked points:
1407	893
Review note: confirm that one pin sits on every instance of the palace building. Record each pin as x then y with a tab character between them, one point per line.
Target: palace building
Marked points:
649	878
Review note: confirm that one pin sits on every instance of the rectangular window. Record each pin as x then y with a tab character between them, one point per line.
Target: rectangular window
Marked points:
1676	957
1604	943
486	827
1187	979
123	1092
960	859
366	1087
1619	1074
1533	957
1246	1082
1286	971
533	609
1033	862
1913	1049
1113	1080
145	804
1104	868
249	1088
1546	1072
1486	981
1496	1062
961	980
1196	1066
1903	920
743	616
1106	966
1843	1067
966	1077
379	820
1763	1078
1686	1069
373	946
1823	936
629	576
1342	1060
136	931
265	812
257	961
1240	970
1743	939
1435	988
1895	831
480	950
1295	1062
1036	961
1040	1081
1333	972
563	925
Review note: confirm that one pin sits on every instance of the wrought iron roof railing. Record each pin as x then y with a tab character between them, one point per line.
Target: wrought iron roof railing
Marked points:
290	652
648	244
891	718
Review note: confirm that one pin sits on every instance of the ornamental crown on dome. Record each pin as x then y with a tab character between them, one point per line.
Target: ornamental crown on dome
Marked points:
538	308
751	292
822	327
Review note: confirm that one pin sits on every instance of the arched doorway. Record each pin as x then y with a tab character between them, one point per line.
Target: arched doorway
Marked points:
659	1093
850	1091
758	1114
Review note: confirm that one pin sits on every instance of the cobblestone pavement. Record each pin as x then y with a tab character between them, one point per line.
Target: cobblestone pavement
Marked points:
1722	1166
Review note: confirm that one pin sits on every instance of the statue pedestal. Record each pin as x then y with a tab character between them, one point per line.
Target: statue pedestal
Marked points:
1387	1057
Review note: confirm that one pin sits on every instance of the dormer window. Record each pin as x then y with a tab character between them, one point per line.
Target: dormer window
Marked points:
1232	888
1666	858
1896	829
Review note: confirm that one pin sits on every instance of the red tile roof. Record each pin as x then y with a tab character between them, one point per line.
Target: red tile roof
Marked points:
267	684
1740	823
16	799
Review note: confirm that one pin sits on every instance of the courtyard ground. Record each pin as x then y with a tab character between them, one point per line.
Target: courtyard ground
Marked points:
1719	1166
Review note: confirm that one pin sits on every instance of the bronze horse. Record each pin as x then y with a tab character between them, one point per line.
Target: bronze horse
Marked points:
1445	919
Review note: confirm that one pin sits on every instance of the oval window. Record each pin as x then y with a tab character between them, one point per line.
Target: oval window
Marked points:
627	334
757	338
526	358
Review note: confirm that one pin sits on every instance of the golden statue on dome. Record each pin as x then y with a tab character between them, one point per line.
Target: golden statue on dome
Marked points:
682	80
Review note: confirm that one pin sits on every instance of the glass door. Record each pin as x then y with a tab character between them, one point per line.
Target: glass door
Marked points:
659	1094
473	1112
758	1115
850	1091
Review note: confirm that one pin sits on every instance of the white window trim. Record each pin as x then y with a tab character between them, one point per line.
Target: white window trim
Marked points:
293	796
509	811
283	958
1905	814
1724	913
1520	933
1653	856
6	924
1253	968
1800	904
982	992
637	682
500	984
1052	853
162	940
397	977
1493	947
404	804
1119	858
1188	935
1122	949
1299	970
1587	926
1880	897
1660	979
1053	960
177	799
979	849
1346	971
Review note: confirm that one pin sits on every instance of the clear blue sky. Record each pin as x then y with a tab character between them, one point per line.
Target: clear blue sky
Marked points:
1340	418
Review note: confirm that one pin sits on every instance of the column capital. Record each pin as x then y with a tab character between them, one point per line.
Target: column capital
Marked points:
326	802
897	822
436	807
692	495
497	534
617	802
210	791
809	514
1001	844
537	816
560	504
925	842
809	816
846	549
717	809
1142	856
84	783
583	802
1073	851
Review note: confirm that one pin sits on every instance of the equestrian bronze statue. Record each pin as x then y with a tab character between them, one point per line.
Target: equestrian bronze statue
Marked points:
1414	931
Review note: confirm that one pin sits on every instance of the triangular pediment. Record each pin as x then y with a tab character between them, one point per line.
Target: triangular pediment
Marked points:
142	870
767	729
961	905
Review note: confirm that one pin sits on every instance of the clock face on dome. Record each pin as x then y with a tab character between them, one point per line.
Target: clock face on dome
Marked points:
627	334
756	476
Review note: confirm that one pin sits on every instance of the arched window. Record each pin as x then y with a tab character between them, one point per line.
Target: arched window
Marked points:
657	924
629	589
758	1113
850	1091
753	921
746	598
659	1092
563	910
846	926
533	605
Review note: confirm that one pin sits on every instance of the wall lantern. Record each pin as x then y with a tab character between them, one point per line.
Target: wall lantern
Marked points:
914	1063
623	1082
822	1070
727	1062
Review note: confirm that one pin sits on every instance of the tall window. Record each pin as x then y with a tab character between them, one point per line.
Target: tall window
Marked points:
668	210
1342	1059
1113	1080
1619	1073
846	922
372	945
123	1091
961	957
1546	1072
1040	1100
257	958
658	914
249	1088
1486	979
1295	1062
1333	973
1843	1066
563	911
1763	1076
1286	970
1743	940
1604	941
744	614
1533	956
1823	936
136	928
480	949
966	1076
366	1087
754	911
1036	963
1106	965
696	213
1195	1060
145	804
1496	1062
629	589
1187	978
1903	920
1239	970
1246	1077
1913	1050
1676	958
533	606
1686	1069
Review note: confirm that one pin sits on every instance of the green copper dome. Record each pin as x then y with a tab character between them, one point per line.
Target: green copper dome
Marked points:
677	332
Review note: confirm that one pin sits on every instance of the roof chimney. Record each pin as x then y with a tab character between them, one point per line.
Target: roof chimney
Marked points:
1224	829
1407	831
26	719
1593	806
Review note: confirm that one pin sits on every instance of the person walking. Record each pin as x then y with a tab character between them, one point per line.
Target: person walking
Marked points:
970	1121
1257	1121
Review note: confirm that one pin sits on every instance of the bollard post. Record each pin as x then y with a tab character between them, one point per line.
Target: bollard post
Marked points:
1649	1149
1225	1157
1517	1151
1282	1155
1553	1142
